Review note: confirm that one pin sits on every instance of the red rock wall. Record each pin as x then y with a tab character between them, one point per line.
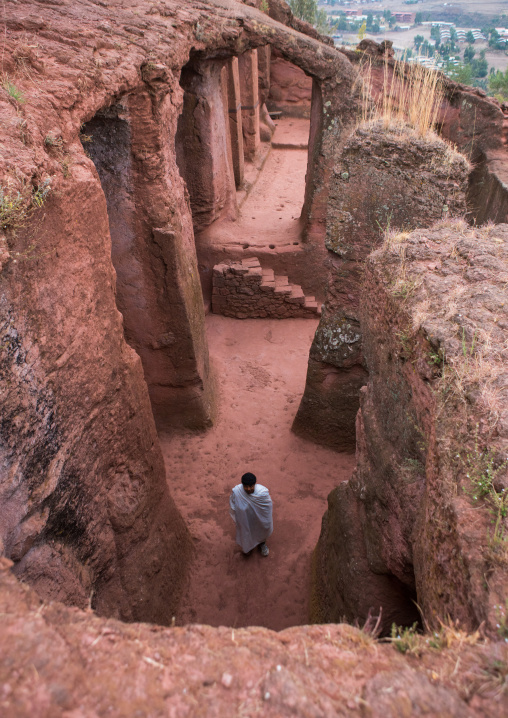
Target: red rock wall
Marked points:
290	88
381	179
203	144
86	514
410	524
84	663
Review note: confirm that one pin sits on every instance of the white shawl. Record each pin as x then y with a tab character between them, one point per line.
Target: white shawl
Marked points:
252	514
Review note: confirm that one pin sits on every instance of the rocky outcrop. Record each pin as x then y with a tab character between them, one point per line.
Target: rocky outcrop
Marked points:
61	662
383	178
423	517
245	290
467	118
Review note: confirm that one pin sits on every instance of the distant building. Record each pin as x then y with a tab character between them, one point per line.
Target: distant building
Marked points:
407	17
437	23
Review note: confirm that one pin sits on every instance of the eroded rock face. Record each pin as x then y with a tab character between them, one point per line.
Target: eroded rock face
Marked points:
202	143
383	178
86	514
290	89
413	522
84	663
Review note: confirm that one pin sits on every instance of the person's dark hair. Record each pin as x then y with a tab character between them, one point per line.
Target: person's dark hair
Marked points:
248	479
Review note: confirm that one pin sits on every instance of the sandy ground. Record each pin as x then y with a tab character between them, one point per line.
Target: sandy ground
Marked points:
269	214
260	367
275	202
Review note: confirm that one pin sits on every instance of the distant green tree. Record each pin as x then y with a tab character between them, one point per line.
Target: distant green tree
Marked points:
453	34
462	73
376	27
494	37
469	53
434	32
321	23
495	41
498	84
480	68
342	24
304	9
470	37
418	18
445	51
427	49
370	19
418	39
308	10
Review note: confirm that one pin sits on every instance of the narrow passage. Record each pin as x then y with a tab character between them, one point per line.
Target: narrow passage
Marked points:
270	212
260	366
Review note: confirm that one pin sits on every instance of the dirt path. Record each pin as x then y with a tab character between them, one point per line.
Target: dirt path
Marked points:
276	200
269	213
260	367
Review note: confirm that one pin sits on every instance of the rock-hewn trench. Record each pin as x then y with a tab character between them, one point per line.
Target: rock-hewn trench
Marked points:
131	141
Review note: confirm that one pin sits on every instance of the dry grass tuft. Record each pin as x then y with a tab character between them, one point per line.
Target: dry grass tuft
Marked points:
451	635
412	95
18	202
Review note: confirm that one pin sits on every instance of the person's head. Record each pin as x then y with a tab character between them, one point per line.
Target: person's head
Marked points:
249	482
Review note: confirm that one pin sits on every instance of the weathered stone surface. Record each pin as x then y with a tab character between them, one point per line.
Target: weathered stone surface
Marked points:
290	88
85	513
411	523
57	662
383	178
203	142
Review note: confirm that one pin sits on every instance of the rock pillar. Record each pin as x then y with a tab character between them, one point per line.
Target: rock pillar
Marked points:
154	257
248	65
235	120
203	144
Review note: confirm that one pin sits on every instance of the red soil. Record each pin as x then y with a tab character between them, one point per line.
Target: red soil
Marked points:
260	367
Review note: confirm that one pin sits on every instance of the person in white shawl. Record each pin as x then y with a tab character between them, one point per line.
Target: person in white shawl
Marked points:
250	507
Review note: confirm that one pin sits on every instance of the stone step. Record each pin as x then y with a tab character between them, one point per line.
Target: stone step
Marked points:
268	274
282	289
297	296
252	262
313	306
281	280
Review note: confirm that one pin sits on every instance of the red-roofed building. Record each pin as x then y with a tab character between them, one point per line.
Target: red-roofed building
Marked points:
406	17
